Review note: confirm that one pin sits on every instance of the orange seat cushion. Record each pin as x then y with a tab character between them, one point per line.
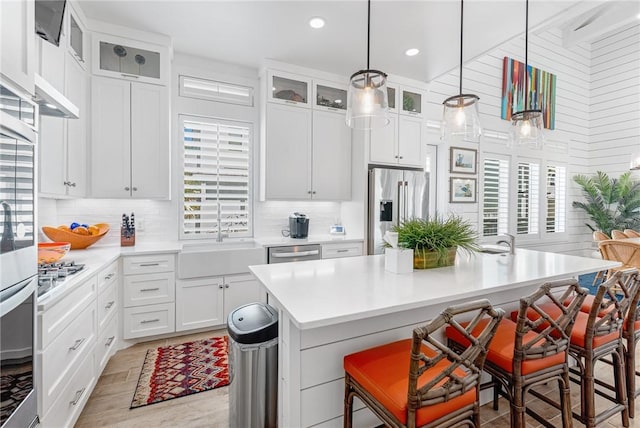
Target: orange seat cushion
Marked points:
578	333
384	372
502	346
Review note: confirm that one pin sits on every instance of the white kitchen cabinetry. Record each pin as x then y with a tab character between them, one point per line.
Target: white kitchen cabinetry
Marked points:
343	249
17	42
207	302
63	155
312	146
148	295
129	139
77	38
401	142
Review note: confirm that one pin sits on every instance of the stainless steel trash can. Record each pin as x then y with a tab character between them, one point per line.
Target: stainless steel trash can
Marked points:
253	366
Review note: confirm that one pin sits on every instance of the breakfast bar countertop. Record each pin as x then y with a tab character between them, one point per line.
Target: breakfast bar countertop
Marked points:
328	292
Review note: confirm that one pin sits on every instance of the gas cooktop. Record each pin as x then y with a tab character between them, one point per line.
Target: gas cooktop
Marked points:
51	275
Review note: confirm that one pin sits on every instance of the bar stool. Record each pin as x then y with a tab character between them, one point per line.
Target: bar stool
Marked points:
521	357
597	237
420	381
596	335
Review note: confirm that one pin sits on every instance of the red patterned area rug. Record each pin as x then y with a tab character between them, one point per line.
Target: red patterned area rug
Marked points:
175	371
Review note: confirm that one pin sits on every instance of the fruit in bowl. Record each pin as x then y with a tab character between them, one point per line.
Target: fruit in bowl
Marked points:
51	252
79	235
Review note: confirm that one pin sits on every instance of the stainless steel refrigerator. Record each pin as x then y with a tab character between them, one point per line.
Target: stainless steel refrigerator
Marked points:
395	195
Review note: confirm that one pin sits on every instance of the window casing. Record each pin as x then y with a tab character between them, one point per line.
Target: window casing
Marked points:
217	178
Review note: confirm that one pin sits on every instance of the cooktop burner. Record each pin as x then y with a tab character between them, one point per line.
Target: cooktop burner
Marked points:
52	274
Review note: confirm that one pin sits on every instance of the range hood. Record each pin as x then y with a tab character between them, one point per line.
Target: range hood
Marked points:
52	102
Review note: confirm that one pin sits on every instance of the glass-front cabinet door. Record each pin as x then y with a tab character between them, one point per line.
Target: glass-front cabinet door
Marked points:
329	96
76	40
287	88
392	94
411	102
129	59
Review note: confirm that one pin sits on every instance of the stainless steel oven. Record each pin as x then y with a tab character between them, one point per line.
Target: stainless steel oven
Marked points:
18	258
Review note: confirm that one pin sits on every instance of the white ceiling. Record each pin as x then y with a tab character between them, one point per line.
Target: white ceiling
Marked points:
246	32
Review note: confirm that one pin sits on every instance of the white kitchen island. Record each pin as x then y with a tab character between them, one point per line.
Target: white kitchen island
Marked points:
330	308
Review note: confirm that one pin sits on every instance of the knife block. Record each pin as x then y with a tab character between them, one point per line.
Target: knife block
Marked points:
127	237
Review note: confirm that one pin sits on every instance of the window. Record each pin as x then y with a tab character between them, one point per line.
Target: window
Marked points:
216	178
527	204
495	197
556	198
213	90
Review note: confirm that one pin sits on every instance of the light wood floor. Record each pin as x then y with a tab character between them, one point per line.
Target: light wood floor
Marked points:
109	403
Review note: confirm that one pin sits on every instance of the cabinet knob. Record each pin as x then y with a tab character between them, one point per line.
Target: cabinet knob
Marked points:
396	157
127	189
220	286
400	157
314	192
135	189
226	286
309	191
69	183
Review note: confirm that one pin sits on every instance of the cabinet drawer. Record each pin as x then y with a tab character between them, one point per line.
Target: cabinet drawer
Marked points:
107	305
56	319
72	398
333	251
107	276
62	356
148	264
149	320
149	289
106	344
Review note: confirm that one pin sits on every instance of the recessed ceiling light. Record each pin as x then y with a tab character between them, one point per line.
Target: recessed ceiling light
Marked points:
412	52
316	22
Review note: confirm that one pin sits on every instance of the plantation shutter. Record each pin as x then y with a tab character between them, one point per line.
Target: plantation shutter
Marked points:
495	197
556	182
528	198
217	178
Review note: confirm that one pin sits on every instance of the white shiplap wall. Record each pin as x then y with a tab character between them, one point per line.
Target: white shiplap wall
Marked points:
568	143
615	101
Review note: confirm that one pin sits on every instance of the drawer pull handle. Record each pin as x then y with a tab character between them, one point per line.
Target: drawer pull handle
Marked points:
108	277
129	75
110	304
149	264
150	289
150	321
77	344
109	341
77	397
342	251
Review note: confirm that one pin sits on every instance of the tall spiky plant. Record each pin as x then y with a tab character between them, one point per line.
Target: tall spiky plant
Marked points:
611	203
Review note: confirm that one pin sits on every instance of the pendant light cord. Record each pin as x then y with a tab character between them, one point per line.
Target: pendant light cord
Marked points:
368	29
526	59
461	24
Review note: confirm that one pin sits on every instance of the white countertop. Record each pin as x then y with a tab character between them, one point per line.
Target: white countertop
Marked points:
326	292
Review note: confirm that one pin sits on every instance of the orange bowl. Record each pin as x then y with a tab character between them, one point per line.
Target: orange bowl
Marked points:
77	241
51	252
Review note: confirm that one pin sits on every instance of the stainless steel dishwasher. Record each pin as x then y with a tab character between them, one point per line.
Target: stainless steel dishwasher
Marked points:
294	253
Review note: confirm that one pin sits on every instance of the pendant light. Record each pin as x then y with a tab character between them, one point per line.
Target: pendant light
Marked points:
367	99
527	124
460	118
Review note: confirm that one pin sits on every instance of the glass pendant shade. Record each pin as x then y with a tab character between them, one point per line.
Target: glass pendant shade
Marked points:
461	119
526	129
367	100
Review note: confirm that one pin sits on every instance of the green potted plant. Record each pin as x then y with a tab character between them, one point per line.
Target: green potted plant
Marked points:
610	203
435	240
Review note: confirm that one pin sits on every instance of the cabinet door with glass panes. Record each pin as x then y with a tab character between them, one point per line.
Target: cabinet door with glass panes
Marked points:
392	95
290	89
329	96
76	39
411	102
129	59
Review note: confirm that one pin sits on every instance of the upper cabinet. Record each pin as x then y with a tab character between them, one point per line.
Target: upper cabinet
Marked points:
127	59
17	43
305	134
76	38
392	95
286	88
412	102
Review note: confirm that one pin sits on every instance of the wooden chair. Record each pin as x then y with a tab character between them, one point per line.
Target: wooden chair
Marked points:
421	382
521	356
632	233
596	336
625	252
618	234
597	237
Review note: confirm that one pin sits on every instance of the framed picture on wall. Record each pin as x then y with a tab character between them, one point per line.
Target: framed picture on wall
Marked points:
462	161
462	190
